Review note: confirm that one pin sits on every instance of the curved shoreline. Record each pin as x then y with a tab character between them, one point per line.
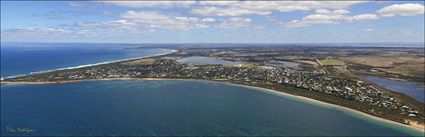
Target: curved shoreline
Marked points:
93	64
413	126
318	102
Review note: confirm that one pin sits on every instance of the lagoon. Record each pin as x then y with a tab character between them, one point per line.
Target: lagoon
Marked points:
414	90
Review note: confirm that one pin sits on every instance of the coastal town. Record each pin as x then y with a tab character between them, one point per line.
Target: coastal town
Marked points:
352	93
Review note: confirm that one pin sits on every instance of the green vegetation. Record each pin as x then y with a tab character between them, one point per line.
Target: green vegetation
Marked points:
329	62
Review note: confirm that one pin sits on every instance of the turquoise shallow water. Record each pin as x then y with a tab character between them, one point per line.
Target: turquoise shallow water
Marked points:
174	107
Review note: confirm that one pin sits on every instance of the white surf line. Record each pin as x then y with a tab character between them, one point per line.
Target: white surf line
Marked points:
89	65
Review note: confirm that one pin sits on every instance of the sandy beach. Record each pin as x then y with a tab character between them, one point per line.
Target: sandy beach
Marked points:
73	81
66	81
41	82
413	125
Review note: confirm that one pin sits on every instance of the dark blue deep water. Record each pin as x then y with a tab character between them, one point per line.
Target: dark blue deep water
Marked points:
24	58
173	108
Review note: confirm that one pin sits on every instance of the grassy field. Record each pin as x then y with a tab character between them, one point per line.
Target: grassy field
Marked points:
398	65
341	69
332	62
387	61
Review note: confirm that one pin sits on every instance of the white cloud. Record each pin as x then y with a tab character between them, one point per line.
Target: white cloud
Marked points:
151	21
34	33
218	3
340	11
330	18
334	12
109	25
142	4
87	24
47	30
209	19
80	30
325	12
162	21
408	9
121	25
216	11
233	23
363	17
322	18
314	19
325	16
227	8
237	8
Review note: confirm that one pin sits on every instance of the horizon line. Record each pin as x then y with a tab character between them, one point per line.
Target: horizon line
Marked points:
218	42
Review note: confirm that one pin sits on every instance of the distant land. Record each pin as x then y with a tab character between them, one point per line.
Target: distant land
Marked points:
217	45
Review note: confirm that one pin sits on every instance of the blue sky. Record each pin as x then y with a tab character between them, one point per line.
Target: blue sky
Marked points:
212	21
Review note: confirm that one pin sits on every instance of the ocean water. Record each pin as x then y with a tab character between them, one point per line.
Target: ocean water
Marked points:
174	108
414	90
24	58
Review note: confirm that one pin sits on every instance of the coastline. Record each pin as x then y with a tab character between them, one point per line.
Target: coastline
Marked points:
93	64
314	101
75	81
413	125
